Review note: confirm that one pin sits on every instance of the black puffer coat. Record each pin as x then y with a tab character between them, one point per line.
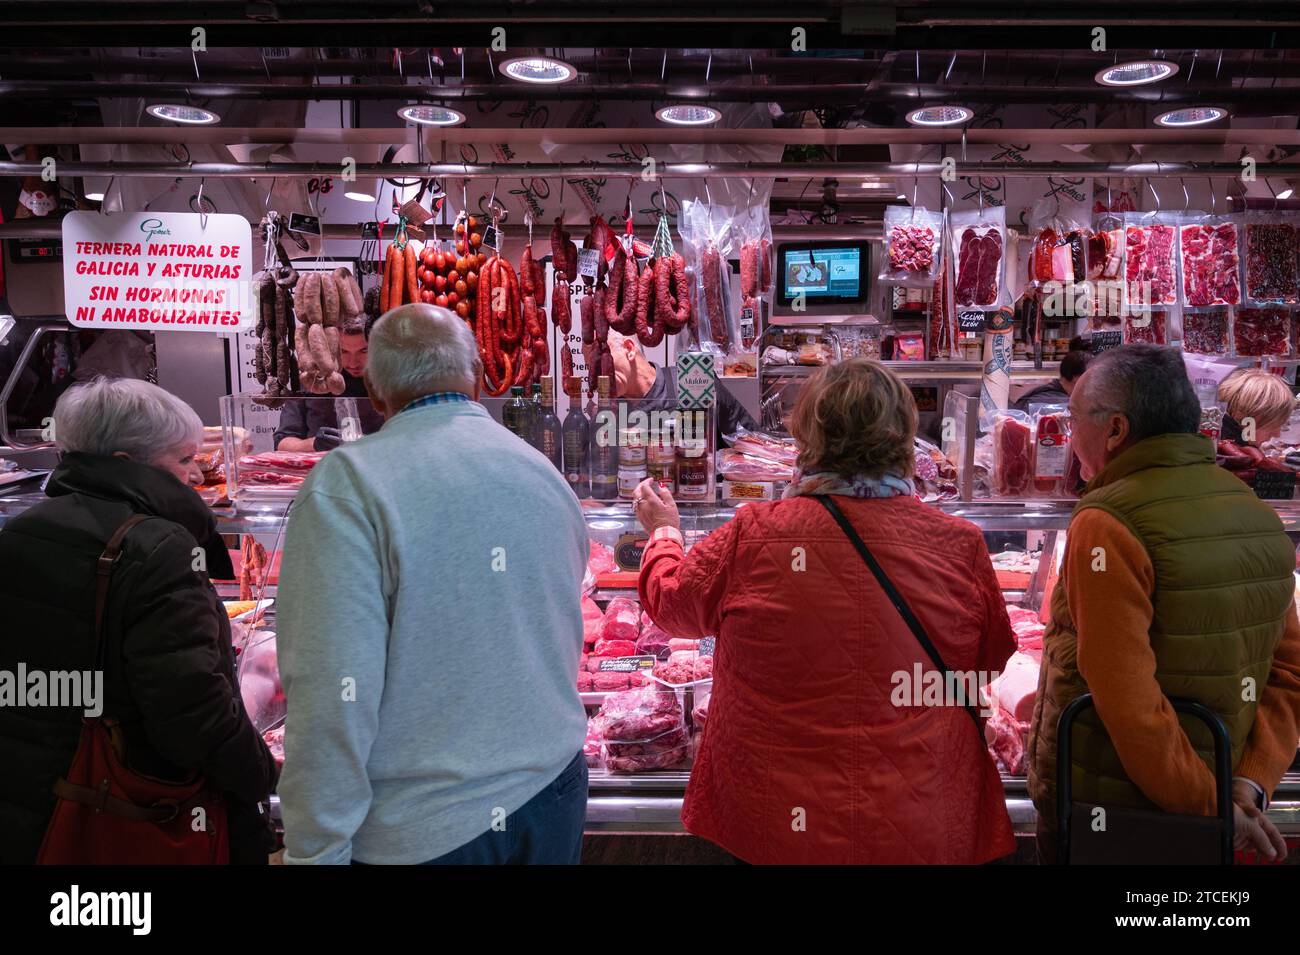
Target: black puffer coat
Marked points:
168	664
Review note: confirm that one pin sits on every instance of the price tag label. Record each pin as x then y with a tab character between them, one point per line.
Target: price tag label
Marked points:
1104	341
626	664
588	263
747	324
1274	485
489	238
971	322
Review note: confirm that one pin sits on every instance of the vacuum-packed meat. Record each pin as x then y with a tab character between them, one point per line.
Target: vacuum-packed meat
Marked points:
1206	333
1209	256
1271	262
1149	264
1011	456
979	262
1262	331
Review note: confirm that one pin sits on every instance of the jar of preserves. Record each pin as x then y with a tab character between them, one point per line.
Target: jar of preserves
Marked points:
693	471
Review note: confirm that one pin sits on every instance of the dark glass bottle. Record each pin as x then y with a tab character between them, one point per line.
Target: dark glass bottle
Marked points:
547	436
575	437
604	445
517	415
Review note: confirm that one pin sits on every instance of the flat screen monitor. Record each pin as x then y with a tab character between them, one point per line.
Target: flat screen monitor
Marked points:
827	273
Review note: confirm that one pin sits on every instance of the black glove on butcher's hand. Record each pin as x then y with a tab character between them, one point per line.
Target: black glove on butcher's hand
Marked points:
327	439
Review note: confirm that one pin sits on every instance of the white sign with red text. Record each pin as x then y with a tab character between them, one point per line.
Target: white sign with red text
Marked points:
158	271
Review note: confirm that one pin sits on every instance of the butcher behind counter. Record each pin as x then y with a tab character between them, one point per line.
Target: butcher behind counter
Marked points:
314	425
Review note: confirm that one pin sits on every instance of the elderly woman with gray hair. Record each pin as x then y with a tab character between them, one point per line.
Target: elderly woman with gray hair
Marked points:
164	644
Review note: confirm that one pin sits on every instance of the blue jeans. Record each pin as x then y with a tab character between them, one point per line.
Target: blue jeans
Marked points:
546	830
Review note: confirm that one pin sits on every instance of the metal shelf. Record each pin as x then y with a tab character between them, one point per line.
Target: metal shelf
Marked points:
950	370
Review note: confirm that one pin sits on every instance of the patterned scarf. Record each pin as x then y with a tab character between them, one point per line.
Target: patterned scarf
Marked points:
857	485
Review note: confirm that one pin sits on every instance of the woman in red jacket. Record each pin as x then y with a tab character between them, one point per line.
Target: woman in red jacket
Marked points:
820	747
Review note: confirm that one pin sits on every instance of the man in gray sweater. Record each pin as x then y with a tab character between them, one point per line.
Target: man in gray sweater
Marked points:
430	628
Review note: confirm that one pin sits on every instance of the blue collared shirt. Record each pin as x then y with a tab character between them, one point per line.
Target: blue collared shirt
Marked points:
437	398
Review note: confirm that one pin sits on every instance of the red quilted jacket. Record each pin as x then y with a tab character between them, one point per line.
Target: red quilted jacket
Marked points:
805	758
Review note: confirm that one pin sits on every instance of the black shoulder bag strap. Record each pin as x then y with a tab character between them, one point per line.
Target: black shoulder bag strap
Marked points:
892	593
103	574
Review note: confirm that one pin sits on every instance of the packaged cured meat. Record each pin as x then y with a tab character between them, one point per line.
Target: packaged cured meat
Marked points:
708	242
1058	251
935	475
1012	453
1206	332
736	465
761	444
1261	331
979	250
1150	260
754	237
1271	245
1051	450
913	246
1209	262
1147	327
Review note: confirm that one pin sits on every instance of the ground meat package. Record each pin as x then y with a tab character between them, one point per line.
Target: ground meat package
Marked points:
643	729
1150	260
1012	453
1210	263
1206	332
979	239
913	246
1261	331
1270	259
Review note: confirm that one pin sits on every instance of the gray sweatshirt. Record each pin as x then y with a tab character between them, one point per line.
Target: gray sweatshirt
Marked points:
429	634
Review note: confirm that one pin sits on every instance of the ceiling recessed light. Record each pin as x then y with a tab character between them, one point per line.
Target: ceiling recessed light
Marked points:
687	115
1285	193
190	115
939	115
538	69
358	193
432	115
1136	73
901	196
1191	116
95	196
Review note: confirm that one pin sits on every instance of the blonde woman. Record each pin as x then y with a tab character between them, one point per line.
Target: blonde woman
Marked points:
811	754
1259	406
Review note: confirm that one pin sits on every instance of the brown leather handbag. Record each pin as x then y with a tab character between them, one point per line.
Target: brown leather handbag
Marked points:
107	813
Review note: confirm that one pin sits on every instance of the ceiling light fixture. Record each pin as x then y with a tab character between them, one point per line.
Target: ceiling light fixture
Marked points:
359	193
1285	193
688	115
538	69
188	115
1191	116
432	115
1136	73
943	115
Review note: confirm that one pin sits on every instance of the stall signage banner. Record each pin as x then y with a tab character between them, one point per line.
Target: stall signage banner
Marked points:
158	271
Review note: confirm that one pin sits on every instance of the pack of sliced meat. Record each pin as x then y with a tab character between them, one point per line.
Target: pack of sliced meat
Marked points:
276	469
1012	453
1206	332
1146	327
1058	248
760	444
1051	457
913	246
979	240
1257	332
1210	262
1150	260
1271	276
